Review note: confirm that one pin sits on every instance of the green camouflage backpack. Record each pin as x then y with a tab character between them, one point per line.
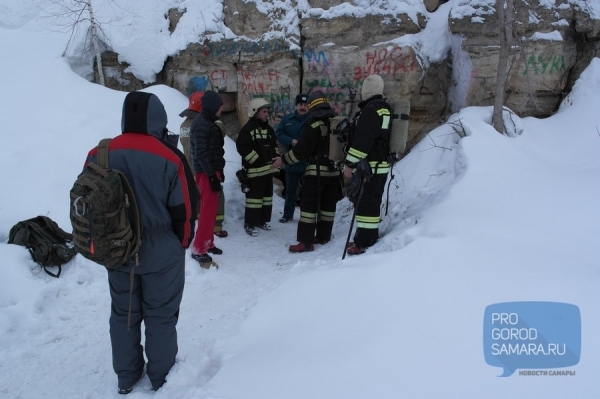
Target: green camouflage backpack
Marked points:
48	244
104	214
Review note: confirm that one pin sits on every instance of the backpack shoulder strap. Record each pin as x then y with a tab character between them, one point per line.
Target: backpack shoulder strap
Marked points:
102	156
136	222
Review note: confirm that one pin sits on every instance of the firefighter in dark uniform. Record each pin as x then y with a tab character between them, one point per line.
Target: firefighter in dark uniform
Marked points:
370	143
257	145
321	181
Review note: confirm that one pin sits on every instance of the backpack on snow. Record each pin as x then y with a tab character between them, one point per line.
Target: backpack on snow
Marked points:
48	244
104	214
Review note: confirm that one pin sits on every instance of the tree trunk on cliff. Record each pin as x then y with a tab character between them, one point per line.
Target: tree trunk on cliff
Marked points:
94	31
68	15
504	9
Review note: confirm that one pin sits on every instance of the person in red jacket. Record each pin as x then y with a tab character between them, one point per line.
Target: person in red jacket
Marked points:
167	201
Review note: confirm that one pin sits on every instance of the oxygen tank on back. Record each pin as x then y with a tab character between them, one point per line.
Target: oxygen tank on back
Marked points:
399	132
336	142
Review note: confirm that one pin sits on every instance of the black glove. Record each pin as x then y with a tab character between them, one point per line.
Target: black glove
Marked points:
363	169
215	184
353	188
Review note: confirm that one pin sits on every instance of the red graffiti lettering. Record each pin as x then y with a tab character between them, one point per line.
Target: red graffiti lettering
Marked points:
218	74
384	61
396	53
370	57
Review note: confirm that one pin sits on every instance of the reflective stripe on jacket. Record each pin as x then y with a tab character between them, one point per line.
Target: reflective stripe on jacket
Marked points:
371	136
257	145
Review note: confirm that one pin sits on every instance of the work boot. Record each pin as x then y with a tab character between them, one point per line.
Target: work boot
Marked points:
320	241
125	391
215	251
265	226
301	247
354	250
221	234
285	219
202	258
251	231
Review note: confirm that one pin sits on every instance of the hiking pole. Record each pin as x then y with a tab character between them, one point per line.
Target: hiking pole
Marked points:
360	192
318	193
387	200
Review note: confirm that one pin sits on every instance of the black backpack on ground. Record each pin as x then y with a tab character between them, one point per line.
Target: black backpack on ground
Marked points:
48	244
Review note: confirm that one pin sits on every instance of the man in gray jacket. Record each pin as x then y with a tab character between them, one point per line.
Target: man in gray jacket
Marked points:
167	201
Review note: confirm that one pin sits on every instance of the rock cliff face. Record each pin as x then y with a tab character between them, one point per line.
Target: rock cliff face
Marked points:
281	52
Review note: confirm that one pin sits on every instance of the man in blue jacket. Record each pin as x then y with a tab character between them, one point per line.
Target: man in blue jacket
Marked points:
167	201
288	132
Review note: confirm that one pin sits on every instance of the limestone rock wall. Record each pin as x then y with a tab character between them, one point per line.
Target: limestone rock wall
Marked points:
275	59
544	53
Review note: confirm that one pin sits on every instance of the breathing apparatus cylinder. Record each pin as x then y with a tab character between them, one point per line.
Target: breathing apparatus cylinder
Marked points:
336	141
399	132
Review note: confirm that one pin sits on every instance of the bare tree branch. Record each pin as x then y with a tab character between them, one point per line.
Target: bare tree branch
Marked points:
435	145
70	16
458	128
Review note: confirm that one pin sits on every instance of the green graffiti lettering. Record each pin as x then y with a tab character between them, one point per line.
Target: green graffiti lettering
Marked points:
544	64
558	64
539	65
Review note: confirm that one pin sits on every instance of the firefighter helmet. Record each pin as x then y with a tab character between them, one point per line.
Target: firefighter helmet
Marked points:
195	103
255	105
318	105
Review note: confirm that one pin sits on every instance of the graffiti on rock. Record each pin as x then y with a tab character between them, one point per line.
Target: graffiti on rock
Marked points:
540	64
387	62
197	83
218	49
266	83
317	58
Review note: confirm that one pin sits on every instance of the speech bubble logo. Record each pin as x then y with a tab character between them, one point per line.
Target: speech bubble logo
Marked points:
531	335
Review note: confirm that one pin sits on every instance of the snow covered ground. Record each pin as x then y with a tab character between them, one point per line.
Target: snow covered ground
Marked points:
473	221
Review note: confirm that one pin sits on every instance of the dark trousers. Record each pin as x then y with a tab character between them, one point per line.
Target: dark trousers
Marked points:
292	179
327	192
220	212
259	201
368	212
155	300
